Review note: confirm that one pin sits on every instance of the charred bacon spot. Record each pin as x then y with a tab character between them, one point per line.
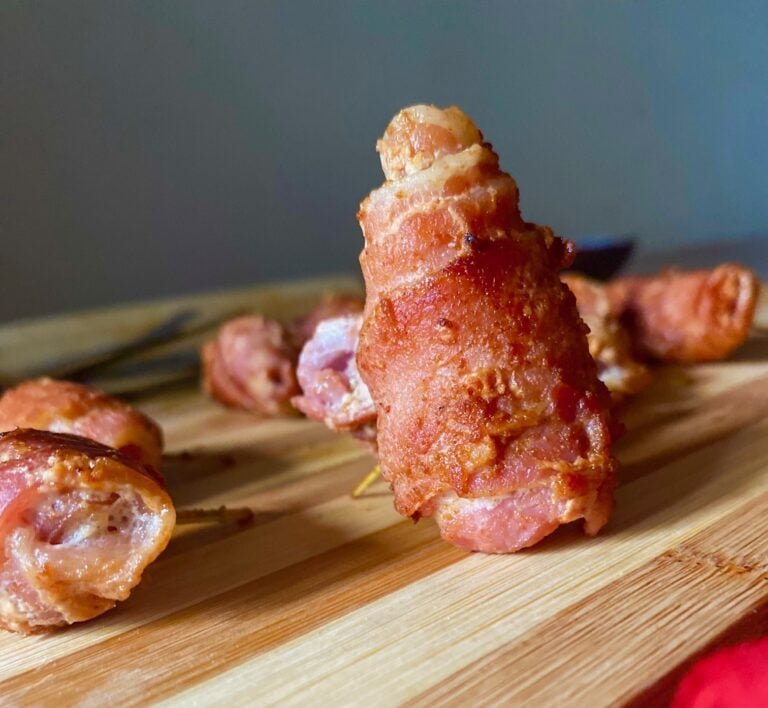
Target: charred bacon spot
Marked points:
474	243
445	328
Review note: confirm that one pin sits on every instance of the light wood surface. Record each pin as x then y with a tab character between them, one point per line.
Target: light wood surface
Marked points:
326	600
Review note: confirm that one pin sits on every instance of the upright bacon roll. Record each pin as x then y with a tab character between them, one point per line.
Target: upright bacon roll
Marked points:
490	413
79	522
66	407
687	316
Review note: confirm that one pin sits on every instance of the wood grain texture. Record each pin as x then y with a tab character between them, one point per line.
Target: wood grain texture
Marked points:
326	600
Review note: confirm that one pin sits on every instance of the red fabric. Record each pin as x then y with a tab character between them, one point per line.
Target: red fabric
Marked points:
736	677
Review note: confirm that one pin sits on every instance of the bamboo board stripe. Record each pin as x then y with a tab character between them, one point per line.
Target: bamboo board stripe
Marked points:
493	599
698	588
326	600
681	431
249	619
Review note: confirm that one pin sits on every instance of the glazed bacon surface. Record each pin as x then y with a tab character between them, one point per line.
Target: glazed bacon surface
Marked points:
67	407
687	316
490	413
79	522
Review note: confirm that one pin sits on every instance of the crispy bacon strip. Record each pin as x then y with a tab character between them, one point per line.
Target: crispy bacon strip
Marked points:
79	523
252	362
609	342
490	412
66	407
687	316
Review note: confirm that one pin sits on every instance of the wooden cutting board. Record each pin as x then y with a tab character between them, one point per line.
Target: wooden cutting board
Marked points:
326	600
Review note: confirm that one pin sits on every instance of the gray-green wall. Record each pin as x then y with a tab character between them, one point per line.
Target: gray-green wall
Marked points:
149	148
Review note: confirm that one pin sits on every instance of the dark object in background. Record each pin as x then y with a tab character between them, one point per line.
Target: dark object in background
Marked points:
602	257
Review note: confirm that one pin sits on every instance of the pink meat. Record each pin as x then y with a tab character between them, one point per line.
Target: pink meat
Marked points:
333	391
512	522
250	365
333	305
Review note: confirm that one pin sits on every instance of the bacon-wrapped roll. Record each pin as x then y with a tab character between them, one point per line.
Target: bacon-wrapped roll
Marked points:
330	306
609	342
79	523
252	362
251	365
490	413
332	390
66	407
687	316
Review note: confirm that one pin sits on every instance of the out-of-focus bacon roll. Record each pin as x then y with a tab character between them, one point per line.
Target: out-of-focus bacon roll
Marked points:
66	407
252	362
79	523
609	342
687	316
251	365
490	412
333	391
331	305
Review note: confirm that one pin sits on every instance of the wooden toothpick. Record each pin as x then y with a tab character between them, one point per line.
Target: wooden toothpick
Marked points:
222	515
366	482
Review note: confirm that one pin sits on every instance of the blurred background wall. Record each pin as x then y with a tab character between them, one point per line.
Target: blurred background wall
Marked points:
152	148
